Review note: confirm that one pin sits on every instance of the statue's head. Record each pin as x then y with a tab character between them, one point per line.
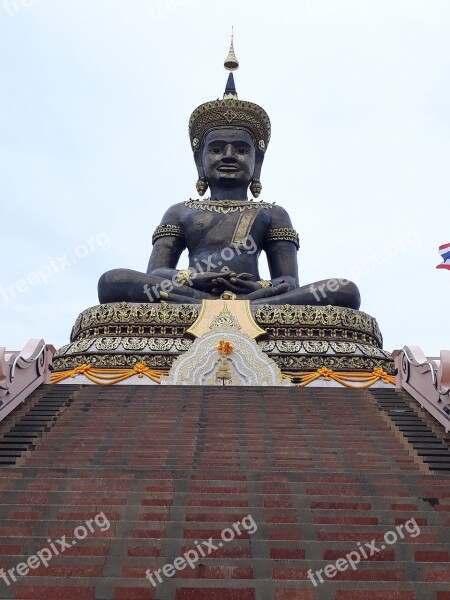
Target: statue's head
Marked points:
229	138
227	158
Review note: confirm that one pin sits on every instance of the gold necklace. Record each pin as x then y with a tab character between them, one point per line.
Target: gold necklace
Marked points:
226	206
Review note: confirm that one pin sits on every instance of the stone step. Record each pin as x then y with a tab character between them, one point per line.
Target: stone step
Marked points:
283	584
172	529
135	550
320	471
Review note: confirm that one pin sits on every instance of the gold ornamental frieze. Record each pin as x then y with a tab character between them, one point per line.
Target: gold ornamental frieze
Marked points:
337	363
299	339
332	318
113	361
118	345
125	313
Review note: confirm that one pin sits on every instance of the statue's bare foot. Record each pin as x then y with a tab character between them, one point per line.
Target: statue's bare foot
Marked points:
179	299
268	292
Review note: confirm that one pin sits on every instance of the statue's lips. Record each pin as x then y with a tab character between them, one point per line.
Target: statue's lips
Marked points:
228	169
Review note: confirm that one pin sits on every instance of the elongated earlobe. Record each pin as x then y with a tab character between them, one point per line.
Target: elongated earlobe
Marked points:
255	187
202	186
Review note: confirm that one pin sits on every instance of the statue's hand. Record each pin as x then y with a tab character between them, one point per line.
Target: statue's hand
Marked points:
238	284
257	294
251	290
205	282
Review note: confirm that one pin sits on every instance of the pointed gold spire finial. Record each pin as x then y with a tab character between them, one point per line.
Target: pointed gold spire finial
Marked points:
231	62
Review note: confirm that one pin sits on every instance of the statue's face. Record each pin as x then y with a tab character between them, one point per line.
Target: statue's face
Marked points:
228	157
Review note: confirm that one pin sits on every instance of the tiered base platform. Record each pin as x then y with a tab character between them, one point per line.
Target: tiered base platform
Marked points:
303	345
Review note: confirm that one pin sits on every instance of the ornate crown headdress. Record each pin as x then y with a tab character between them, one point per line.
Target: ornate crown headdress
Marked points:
230	112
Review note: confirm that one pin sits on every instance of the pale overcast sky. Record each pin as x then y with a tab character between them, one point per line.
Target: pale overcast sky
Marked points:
94	106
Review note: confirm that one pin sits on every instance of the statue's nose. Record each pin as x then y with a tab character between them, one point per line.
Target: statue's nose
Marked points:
228	152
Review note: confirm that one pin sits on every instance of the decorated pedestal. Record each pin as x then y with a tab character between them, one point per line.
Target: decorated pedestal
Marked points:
179	345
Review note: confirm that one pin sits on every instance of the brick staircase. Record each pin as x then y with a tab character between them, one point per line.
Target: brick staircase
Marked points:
320	471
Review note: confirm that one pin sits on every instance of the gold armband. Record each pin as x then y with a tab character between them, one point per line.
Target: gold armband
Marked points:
283	234
264	283
183	276
167	230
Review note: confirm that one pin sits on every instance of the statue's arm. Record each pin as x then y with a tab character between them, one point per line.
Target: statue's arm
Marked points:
281	245
168	245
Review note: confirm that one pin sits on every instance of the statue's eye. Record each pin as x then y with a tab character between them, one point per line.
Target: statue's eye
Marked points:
242	150
216	150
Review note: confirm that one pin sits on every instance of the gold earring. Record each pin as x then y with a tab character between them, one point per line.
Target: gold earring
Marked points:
255	187
202	186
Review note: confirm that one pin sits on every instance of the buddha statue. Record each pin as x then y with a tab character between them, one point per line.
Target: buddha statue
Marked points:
226	233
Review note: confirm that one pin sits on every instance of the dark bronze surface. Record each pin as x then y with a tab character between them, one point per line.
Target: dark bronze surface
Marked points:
225	240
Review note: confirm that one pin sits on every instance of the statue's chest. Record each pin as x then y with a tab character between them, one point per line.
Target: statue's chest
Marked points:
221	227
200	221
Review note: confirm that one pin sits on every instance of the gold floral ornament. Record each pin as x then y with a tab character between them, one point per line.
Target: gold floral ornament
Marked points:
110	319
183	276
226	207
225	348
282	234
224	371
353	324
225	318
227	295
167	230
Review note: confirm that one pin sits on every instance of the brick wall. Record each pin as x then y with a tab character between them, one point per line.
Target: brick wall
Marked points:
320	471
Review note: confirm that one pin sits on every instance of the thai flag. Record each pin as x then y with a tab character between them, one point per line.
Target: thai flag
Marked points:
444	251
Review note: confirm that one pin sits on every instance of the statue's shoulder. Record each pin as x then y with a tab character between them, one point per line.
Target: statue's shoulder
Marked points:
174	213
280	217
279	210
